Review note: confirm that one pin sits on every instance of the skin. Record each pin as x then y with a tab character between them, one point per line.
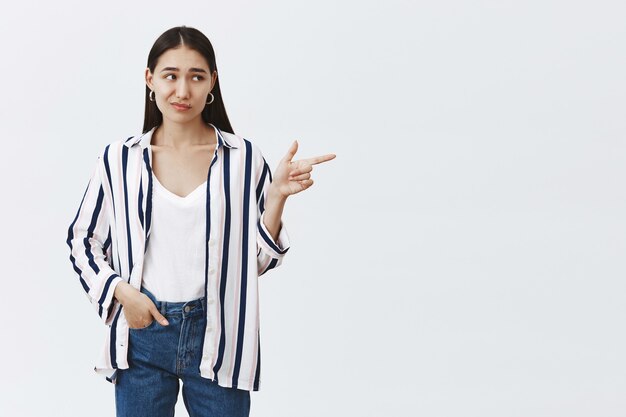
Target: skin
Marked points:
180	147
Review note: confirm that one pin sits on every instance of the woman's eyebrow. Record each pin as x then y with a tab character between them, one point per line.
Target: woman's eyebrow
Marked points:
190	69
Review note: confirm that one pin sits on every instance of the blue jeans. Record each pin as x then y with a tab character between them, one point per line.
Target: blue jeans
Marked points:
158	356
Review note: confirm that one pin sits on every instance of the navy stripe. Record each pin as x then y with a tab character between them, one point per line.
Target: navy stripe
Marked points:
107	243
90	230
107	168
244	260
139	202
146	159
113	339
125	182
268	240
84	284
257	373
222	140
208	233
70	237
105	290
225	253
113	329
110	309
259	187
272	264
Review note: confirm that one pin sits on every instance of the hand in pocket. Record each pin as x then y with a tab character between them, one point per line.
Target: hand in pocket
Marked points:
140	311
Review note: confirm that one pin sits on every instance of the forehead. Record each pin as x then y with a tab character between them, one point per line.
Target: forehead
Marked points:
182	57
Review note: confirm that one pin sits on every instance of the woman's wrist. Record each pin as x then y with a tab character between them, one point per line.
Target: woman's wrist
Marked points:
122	290
274	195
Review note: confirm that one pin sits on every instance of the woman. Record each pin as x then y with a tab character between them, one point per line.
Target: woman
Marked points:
174	228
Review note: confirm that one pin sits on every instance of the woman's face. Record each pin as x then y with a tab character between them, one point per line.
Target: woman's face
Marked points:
181	76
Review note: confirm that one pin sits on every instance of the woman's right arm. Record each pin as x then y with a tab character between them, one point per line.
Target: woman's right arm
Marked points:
85	237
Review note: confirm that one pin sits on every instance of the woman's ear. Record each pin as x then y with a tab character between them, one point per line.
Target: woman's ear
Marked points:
149	78
213	79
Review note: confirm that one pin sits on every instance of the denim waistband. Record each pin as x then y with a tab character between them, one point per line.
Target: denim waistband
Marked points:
184	308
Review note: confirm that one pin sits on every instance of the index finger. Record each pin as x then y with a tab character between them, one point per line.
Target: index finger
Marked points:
320	159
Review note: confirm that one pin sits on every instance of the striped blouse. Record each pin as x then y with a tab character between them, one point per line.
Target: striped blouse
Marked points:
109	236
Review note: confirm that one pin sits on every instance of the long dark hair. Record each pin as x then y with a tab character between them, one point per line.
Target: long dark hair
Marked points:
175	37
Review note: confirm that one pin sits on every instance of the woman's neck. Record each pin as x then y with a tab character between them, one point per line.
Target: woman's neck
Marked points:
182	135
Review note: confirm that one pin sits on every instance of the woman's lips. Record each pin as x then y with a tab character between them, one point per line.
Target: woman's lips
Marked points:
180	107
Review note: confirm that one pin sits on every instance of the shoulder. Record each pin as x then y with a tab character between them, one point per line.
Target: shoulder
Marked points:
112	151
244	144
117	144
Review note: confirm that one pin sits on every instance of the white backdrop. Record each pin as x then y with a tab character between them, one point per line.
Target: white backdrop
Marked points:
462	256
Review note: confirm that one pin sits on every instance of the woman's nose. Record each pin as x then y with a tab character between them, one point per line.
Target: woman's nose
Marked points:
181	89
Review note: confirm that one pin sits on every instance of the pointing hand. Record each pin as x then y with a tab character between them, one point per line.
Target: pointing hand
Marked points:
291	177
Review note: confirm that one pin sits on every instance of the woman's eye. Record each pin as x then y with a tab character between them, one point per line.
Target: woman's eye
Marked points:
195	76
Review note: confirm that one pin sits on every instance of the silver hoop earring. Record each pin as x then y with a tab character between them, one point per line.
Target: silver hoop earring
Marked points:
151	95
212	98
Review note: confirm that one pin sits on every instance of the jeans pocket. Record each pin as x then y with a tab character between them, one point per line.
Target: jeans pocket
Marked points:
149	326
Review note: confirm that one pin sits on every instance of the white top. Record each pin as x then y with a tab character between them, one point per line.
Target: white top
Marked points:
174	262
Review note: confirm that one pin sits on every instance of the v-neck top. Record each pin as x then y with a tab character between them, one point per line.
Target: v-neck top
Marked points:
174	260
165	193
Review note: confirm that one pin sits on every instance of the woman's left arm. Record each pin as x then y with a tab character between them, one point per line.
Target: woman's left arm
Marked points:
290	178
